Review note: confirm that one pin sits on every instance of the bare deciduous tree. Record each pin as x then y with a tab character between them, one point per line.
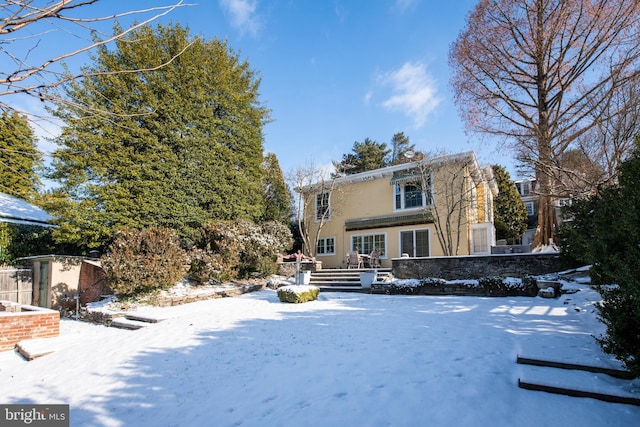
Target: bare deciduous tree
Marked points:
24	24
536	73
317	199
449	194
610	141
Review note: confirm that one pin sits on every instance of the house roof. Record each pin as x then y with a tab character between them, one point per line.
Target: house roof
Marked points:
18	211
402	171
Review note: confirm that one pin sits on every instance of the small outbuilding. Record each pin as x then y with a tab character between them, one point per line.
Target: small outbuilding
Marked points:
59	280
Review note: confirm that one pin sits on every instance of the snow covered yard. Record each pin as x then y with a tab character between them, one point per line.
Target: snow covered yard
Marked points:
344	359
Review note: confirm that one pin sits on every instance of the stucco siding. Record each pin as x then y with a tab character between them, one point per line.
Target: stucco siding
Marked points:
364	205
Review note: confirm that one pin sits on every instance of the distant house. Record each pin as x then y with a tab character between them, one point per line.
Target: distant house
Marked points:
429	207
527	188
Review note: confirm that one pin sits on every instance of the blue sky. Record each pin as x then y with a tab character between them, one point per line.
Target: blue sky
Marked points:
338	71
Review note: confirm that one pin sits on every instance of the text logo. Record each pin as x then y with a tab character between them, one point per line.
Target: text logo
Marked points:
34	415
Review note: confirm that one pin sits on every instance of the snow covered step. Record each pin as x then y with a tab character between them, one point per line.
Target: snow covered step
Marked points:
36	347
546	362
592	382
144	318
613	396
124	323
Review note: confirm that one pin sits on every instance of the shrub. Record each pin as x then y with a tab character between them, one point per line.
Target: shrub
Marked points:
230	249
501	286
298	293
620	312
142	261
605	232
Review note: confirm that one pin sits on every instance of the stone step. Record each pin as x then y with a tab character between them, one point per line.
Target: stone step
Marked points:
345	271
124	323
144	318
344	279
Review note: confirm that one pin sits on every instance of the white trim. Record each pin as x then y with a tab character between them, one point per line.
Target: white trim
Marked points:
487	228
388	171
413	230
384	254
325	246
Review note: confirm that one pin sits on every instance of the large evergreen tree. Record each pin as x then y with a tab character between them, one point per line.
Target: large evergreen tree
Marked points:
19	157
277	197
604	233
172	145
402	147
20	162
510	213
366	156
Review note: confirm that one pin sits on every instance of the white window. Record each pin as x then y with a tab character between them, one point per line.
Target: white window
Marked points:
525	188
481	240
326	246
473	194
410	196
414	243
322	206
530	208
367	243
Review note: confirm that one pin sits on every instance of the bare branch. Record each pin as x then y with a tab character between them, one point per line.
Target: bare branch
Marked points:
41	80
537	74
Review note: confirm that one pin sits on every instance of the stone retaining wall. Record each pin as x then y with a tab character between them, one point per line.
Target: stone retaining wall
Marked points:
476	267
106	317
26	322
288	269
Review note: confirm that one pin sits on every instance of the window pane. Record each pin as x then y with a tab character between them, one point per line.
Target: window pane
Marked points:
322	206
367	248
422	243
412	197
406	242
379	244
480	241
356	243
330	245
529	206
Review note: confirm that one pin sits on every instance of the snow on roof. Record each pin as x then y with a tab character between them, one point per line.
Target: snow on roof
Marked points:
20	212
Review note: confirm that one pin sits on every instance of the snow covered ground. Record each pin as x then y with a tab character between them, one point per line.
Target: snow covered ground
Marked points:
344	360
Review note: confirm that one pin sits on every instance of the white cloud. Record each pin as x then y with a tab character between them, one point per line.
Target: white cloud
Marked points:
367	97
403	5
243	15
413	92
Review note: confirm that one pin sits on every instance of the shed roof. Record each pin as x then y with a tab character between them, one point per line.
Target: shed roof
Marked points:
18	211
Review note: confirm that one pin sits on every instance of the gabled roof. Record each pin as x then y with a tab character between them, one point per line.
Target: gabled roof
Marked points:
18	211
401	170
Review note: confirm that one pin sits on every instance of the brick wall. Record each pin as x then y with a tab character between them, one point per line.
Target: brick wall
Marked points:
30	322
476	267
92	283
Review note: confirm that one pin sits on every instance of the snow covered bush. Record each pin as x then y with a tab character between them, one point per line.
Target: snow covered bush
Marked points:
487	286
216	253
260	245
298	293
501	286
230	249
142	261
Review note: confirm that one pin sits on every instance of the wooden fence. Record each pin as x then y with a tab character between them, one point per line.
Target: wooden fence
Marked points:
16	285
